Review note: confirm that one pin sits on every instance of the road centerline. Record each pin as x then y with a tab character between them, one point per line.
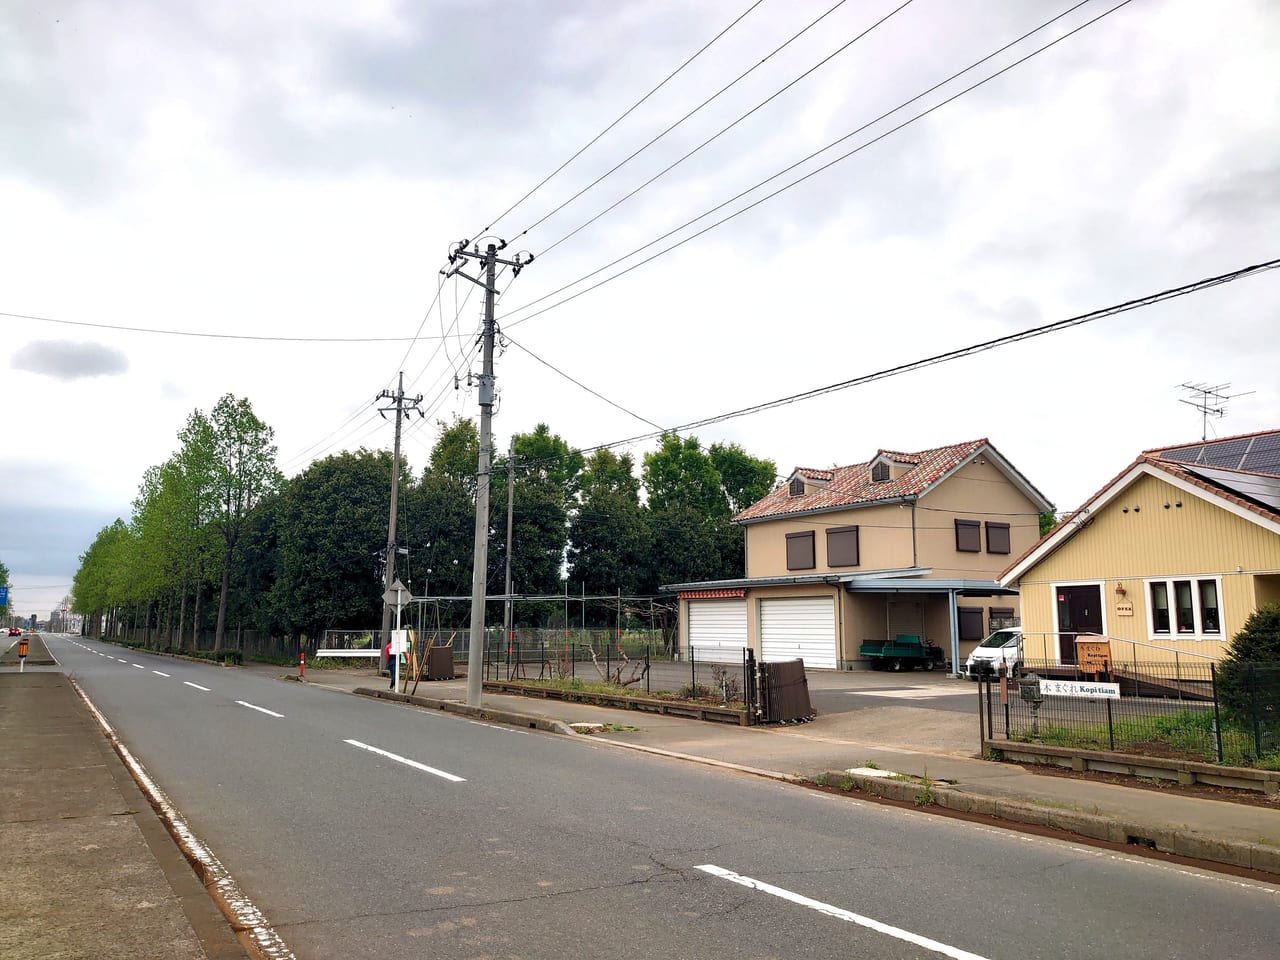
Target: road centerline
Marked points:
196	685
405	760
161	674
270	713
138	665
840	914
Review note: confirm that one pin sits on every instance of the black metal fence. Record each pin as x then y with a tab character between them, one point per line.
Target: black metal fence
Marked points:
1223	713
640	666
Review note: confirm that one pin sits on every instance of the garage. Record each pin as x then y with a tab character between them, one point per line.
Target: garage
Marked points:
718	629
803	627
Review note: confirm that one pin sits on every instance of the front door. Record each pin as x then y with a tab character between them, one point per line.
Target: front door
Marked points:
1079	611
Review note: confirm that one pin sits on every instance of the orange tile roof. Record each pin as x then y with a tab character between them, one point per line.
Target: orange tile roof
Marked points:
851	486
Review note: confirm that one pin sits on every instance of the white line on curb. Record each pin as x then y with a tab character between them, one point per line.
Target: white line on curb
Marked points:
239	910
270	713
196	685
405	760
897	932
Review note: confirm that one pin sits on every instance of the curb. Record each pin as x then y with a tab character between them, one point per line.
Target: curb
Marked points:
465	710
1182	843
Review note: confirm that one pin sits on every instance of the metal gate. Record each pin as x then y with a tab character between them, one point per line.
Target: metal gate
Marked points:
784	692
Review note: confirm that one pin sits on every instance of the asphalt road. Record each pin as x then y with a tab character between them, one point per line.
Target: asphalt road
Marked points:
507	843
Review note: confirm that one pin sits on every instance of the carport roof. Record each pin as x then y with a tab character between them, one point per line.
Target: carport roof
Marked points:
904	580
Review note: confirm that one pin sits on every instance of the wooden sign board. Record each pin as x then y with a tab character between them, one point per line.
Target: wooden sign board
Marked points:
1093	656
1124	608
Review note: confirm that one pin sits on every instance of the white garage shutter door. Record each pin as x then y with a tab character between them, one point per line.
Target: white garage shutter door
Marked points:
718	629
803	627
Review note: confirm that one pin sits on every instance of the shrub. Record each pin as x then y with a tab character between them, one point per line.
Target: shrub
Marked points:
1249	674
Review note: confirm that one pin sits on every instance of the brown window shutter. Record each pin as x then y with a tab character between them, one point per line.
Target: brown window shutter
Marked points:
968	536
800	551
997	537
842	547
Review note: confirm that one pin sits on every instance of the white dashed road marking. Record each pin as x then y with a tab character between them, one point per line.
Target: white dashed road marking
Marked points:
196	685
405	760
897	932
161	674
139	666
270	713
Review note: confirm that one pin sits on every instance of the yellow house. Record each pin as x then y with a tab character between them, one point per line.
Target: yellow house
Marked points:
1168	559
903	544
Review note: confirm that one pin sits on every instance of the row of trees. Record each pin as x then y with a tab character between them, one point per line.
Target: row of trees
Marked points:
292	557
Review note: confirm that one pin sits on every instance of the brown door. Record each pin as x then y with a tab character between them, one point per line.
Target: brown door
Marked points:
1079	612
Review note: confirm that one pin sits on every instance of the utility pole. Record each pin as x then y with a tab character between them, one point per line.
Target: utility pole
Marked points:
487	261
511	499
400	407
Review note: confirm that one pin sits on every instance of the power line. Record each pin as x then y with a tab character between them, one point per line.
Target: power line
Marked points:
206	334
802	161
723	130
582	385
626	113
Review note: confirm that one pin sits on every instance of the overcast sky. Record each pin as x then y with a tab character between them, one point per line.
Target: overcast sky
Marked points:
299	169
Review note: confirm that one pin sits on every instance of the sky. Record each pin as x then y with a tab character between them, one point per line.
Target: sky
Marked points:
275	188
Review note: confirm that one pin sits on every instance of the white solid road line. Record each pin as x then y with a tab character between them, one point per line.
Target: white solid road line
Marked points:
196	685
161	674
405	760
942	948
270	713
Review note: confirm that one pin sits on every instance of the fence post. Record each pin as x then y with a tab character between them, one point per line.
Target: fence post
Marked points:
1217	718
1253	709
573	660
693	671
646	668
1111	730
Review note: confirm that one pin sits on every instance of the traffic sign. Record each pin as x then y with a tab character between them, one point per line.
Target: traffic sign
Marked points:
396	594
4	596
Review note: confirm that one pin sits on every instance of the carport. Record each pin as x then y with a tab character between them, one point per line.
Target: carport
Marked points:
947	591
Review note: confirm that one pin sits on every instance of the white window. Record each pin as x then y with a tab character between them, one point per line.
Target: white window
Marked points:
1185	608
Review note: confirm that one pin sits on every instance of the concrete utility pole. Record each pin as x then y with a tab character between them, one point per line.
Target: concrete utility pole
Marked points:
511	499
400	407
487	261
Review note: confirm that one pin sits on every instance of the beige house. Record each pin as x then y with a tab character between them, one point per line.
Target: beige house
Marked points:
1172	555
904	544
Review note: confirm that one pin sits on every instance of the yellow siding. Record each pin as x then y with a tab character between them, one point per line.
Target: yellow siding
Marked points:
884	541
1122	549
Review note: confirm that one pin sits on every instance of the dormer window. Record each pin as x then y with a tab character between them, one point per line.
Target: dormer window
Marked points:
797	487
880	472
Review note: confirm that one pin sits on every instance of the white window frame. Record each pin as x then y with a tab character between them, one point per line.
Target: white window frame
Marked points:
1197	615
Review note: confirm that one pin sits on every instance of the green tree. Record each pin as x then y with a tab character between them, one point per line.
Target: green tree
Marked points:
1048	520
332	532
609	541
243	473
679	472
744	479
4	582
100	585
1249	673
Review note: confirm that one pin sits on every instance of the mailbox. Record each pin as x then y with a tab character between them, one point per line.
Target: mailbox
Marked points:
1029	689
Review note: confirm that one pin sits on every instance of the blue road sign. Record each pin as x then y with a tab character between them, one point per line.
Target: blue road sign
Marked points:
4	596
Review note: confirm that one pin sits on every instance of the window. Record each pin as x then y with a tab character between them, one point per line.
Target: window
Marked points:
880	472
842	547
970	623
797	487
997	537
1187	609
800	551
1002	617
968	536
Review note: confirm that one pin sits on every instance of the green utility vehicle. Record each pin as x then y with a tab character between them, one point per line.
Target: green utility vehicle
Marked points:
904	652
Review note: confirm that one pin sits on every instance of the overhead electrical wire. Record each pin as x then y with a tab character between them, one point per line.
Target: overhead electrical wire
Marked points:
614	169
688	223
626	113
723	130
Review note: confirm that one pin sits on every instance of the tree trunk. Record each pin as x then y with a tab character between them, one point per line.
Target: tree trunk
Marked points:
182	614
195	620
222	602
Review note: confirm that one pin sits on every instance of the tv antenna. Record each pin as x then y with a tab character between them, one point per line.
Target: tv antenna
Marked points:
1210	400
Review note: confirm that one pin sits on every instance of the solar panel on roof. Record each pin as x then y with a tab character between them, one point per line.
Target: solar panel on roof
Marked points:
1264	454
1184	454
1262	490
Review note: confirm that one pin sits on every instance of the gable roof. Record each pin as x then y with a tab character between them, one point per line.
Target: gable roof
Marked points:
1244	493
852	486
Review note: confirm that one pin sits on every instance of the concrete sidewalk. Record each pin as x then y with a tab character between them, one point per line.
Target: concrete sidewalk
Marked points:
935	768
89	870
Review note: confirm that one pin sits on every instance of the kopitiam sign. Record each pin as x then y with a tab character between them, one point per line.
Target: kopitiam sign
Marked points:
1076	688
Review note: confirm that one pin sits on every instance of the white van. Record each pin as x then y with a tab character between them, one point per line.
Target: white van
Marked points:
1002	647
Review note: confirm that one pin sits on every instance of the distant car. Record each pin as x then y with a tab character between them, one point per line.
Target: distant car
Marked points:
1002	649
15	631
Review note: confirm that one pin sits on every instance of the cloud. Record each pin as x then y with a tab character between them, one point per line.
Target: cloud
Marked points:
70	360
